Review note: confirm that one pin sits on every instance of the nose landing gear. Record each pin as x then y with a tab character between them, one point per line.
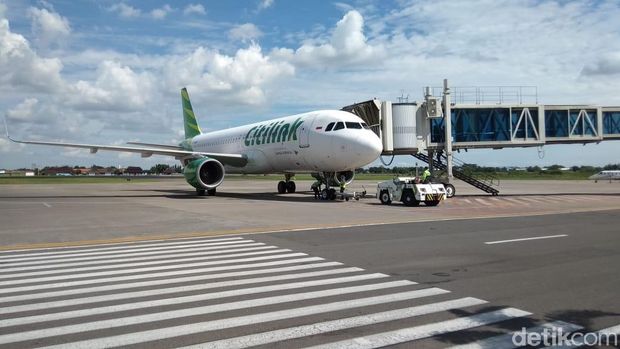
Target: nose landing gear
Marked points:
287	185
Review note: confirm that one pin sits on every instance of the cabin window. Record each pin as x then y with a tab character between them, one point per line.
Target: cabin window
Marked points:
339	126
354	125
329	126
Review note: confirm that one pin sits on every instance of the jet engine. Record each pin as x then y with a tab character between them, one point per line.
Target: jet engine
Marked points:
204	173
334	177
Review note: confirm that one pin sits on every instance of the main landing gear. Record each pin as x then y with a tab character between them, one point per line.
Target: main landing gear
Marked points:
287	185
202	192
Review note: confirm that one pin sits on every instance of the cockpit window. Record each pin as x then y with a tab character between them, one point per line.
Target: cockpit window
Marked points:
329	126
339	126
364	125
353	125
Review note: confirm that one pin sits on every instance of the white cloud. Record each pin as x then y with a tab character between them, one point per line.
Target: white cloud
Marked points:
245	32
265	4
194	9
117	87
124	10
162	12
48	27
242	77
21	67
347	45
24	110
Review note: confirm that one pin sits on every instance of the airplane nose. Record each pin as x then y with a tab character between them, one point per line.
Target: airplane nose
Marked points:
369	148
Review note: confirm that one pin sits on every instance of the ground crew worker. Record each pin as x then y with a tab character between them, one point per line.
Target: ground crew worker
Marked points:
316	188
426	175
343	184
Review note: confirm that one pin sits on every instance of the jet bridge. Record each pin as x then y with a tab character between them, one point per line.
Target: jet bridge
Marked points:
482	117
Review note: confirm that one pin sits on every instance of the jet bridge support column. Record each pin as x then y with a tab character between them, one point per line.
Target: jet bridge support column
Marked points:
447	121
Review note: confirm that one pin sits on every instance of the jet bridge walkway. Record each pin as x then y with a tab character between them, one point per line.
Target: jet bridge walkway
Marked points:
482	117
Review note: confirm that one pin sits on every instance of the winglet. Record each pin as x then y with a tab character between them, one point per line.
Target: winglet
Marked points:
189	119
6	128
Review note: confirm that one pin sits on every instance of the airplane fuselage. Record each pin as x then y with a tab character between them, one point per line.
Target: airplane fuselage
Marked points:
296	144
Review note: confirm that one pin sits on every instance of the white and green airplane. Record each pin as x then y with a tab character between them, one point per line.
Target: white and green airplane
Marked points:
330	144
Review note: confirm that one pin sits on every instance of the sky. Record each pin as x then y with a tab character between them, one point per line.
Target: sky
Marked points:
108	72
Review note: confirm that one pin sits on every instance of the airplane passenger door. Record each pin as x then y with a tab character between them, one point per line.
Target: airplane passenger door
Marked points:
304	133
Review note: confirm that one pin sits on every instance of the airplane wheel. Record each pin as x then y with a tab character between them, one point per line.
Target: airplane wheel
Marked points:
281	187
450	190
290	187
211	192
385	198
324	194
200	192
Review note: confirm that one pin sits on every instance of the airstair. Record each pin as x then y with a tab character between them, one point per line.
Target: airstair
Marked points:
484	182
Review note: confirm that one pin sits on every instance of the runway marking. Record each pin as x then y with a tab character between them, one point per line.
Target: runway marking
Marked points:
167	281
526	239
169	332
186	299
335	325
175	314
163	291
112	250
46	204
483	202
506	340
139	262
160	258
135	270
425	331
151	275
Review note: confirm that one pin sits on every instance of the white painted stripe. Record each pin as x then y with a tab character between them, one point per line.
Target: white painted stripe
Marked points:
336	325
162	291
178	300
526	239
515	201
173	314
116	257
146	269
425	331
483	202
532	200
160	259
467	201
112	250
47	205
506	340
161	274
613	339
187	329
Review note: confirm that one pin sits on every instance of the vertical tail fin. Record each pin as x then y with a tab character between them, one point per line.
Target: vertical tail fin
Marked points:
189	119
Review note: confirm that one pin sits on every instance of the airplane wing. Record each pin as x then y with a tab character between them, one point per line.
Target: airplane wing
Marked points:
165	146
236	160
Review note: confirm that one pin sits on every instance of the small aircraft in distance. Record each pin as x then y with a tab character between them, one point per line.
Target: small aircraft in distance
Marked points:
329	144
606	175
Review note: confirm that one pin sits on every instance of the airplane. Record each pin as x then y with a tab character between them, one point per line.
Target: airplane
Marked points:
610	175
329	144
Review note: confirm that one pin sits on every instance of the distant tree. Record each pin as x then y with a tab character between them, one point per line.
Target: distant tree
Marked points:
159	168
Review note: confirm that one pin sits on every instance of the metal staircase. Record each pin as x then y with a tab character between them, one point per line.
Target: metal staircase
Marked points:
483	182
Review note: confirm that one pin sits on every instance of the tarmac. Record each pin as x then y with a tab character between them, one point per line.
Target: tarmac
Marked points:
42	215
151	265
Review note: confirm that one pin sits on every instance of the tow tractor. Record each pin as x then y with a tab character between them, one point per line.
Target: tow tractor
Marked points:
410	191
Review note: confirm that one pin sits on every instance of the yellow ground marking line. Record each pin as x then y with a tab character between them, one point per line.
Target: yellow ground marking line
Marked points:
270	230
